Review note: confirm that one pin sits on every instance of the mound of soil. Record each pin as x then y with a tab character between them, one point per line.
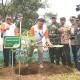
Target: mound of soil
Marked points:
32	71
48	69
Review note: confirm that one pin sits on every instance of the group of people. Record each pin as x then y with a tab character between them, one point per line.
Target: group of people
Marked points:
67	35
54	34
58	34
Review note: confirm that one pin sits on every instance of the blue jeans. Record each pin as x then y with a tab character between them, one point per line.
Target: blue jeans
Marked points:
78	57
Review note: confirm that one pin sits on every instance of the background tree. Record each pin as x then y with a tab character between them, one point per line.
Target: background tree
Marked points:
27	8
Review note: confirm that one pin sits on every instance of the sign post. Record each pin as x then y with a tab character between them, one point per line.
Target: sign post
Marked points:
12	42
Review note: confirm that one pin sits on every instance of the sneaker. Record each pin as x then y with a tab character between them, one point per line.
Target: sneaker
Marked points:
57	63
68	67
4	66
41	66
27	65
14	65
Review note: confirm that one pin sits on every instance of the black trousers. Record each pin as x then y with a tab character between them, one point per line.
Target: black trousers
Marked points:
54	55
66	59
63	56
74	53
6	56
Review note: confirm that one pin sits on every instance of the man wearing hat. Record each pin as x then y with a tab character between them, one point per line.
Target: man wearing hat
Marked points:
55	39
72	38
39	31
66	59
65	51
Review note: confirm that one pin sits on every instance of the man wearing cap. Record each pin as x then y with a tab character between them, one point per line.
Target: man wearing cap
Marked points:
8	29
77	29
72	38
77	39
64	30
40	31
55	39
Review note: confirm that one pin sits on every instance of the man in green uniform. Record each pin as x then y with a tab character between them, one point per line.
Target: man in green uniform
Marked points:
55	39
65	35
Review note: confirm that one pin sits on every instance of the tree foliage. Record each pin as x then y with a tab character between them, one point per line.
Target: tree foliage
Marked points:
27	8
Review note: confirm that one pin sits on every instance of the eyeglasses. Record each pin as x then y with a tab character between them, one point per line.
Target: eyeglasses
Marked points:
41	20
77	19
8	19
53	17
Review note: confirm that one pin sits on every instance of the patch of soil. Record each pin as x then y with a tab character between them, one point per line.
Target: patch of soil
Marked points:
27	70
48	69
32	71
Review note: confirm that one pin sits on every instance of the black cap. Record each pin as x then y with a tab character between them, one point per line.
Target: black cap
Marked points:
62	18
72	18
41	18
78	17
54	16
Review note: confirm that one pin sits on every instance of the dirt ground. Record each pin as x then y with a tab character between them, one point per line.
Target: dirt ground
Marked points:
33	72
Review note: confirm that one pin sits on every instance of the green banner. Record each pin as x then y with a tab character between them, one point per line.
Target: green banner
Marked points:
12	42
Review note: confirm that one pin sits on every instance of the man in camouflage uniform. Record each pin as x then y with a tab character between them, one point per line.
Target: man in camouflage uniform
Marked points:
55	39
64	30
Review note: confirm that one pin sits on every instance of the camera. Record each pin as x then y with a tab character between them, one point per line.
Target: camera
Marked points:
72	37
78	7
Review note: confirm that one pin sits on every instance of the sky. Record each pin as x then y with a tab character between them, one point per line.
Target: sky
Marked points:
64	8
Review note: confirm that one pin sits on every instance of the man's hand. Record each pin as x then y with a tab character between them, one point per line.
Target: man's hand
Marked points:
54	26
36	45
7	28
51	45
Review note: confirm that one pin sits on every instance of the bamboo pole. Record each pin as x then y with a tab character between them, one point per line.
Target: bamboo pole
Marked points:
20	51
12	62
